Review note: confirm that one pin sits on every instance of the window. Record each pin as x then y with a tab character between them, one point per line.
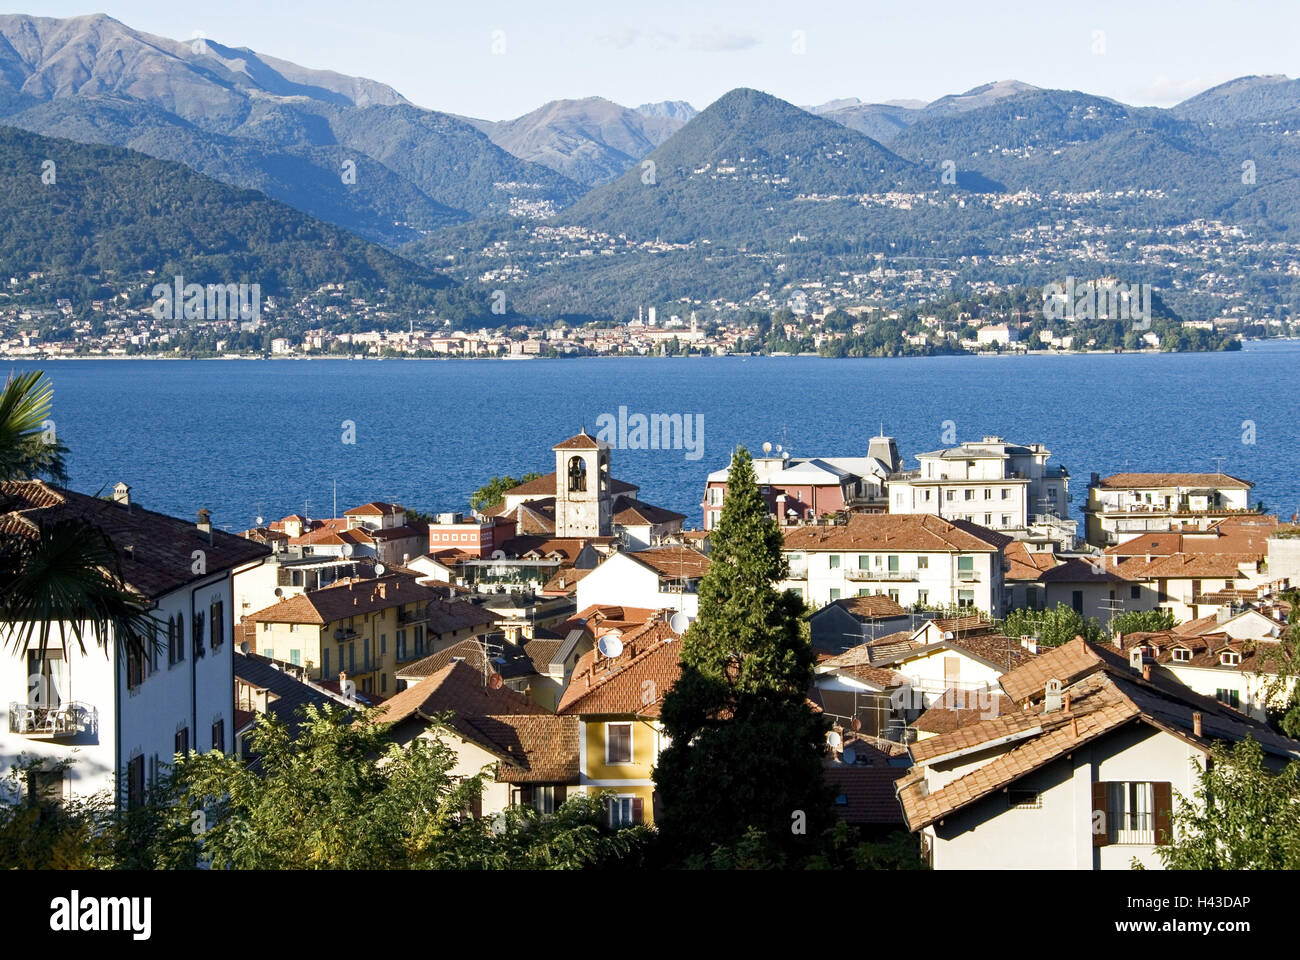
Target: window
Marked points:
968	495
618	743
1180	654
923	563
1131	812
219	736
923	597
988	519
325	662
542	798
47	680
1076	600
1006	494
948	495
216	624
176	640
295	657
45	787
352	657
1006	519
135	662
183	740
383	644
893	595
835	594
965	598
835	561
197	630
864	562
1135	592
1024	800
383	683
988	493
1231	697
366	653
625	811
1230	659
135	782
893	564
419	641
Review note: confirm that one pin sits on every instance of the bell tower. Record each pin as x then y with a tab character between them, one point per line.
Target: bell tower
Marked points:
582	487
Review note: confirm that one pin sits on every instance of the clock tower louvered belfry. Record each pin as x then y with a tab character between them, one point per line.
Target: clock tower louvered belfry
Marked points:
582	488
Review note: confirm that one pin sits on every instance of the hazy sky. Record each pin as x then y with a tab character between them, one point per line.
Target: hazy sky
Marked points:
441	55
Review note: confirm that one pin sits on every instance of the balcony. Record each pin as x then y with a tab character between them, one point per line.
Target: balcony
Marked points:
968	576
67	721
858	574
798	573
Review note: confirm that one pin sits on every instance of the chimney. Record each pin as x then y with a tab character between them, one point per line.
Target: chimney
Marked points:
1196	723
1052	696
1067	703
1074	727
205	523
122	494
383	591
1119	640
1146	671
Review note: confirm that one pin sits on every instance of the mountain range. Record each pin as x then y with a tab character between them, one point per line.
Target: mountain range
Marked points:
750	191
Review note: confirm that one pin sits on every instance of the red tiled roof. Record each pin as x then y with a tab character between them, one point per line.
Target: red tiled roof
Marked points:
1141	481
633	683
886	531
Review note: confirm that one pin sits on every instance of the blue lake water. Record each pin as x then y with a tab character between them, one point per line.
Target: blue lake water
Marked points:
249	437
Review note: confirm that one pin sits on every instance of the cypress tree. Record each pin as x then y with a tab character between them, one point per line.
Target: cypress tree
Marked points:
746	749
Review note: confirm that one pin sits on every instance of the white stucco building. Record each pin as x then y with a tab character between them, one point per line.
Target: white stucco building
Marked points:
121	718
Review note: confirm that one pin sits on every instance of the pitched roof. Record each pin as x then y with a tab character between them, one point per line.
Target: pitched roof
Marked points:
290	693
459	688
891	531
628	511
1025	564
1139	481
1103	693
376	508
673	563
524	659
633	683
960	708
580	441
865	609
538	748
354	597
156	552
865	794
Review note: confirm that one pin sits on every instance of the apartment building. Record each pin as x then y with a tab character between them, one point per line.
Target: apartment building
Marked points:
918	560
364	628
1126	504
1004	486
797	489
121	718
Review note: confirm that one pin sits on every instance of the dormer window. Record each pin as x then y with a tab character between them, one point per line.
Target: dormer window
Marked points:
1230	658
1180	655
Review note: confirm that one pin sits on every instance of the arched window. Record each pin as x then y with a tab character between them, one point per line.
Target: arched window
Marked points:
577	474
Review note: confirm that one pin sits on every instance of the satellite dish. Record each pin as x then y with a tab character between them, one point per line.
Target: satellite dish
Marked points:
244	648
379	569
767	446
495	681
279	592
678	623
260	521
347	549
834	740
610	645
850	755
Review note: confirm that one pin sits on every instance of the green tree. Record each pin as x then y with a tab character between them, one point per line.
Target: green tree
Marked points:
745	751
1143	621
1242	815
1052	627
493	492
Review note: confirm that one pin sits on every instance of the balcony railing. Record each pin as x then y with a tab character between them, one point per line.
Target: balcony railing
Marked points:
968	576
798	573
857	573
69	719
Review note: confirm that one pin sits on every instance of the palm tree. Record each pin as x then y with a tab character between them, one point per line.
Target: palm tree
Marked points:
65	571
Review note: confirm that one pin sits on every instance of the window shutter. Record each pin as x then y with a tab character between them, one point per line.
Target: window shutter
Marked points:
525	796
1099	838
1164	808
638	810
561	794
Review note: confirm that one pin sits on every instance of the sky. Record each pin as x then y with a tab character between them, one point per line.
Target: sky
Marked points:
499	60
